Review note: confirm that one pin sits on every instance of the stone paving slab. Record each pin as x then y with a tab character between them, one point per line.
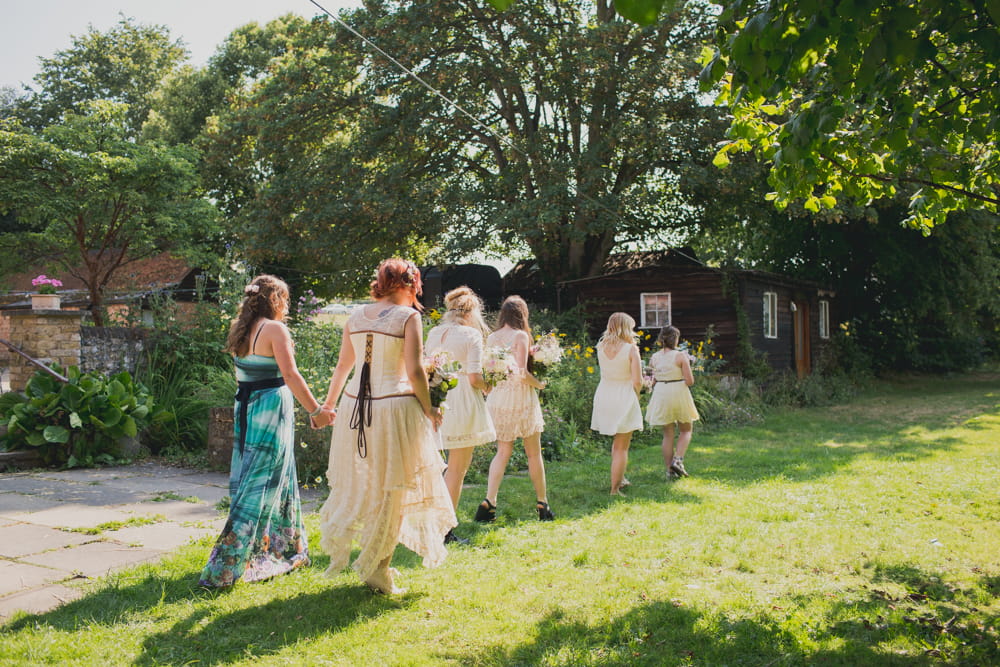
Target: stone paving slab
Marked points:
16	576
24	538
14	503
87	475
94	559
38	600
173	510
165	536
74	516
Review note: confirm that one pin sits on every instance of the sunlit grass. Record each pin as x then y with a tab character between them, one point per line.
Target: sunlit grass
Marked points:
862	534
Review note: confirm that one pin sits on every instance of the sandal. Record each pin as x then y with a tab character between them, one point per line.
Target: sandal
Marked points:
486	512
544	513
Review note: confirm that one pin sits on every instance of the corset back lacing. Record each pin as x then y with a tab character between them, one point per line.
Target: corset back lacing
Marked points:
362	414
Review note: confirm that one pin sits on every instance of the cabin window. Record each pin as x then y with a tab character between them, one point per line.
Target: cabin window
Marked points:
655	307
770	314
824	318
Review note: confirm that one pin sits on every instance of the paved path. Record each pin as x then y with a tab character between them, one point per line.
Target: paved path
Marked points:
57	526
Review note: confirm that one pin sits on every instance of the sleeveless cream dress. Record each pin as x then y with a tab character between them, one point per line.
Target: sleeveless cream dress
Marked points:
513	404
385	475
671	400
616	407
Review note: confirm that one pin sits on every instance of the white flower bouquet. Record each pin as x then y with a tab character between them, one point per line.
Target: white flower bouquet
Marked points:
498	365
442	376
545	354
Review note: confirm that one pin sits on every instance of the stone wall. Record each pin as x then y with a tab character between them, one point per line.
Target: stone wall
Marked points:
111	350
49	336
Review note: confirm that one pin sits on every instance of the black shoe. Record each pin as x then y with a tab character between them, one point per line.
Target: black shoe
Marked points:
677	467
544	513
486	512
451	538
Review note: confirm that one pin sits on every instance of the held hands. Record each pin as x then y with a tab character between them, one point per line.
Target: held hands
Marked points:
326	417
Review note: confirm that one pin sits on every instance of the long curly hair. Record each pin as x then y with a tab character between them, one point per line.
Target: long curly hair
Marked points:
621	327
466	308
266	296
396	274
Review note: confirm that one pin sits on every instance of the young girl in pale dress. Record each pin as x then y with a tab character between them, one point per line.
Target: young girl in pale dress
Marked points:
516	412
671	402
385	470
616	402
467	422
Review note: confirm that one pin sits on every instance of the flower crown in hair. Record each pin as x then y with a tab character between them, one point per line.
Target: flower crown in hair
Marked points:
409	277
251	289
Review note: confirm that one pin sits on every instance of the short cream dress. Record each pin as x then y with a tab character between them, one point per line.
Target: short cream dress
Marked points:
513	404
671	401
616	406
467	422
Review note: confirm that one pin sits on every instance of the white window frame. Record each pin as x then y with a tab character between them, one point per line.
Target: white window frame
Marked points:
770	321
824	318
645	323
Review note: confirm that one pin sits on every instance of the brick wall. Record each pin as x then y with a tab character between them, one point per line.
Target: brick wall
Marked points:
50	336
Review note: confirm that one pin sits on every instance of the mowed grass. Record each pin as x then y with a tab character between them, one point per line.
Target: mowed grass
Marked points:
860	534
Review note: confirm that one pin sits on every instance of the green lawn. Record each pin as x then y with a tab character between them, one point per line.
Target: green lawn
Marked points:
862	534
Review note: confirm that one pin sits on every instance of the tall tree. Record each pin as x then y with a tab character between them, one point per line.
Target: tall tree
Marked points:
574	113
126	64
88	196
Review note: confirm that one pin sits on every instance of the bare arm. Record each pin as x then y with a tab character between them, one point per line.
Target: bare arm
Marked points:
413	359
276	335
635	366
475	357
685	364
345	362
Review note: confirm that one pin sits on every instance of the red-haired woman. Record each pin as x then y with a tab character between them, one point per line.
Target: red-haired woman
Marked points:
264	535
385	473
515	410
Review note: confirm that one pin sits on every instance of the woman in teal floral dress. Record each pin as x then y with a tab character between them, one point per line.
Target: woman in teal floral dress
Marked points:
264	535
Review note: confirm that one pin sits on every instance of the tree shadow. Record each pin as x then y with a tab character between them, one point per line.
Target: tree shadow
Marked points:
208	637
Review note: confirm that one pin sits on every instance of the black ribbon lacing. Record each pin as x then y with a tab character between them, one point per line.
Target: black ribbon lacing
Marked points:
243	391
362	414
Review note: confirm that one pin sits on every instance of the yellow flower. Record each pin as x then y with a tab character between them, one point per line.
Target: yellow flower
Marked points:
562	335
590	350
645	349
590	369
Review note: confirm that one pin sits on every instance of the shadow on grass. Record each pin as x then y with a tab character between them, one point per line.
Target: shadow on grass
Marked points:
209	637
871	626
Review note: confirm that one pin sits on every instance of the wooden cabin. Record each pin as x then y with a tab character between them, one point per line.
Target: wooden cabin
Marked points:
484	280
785	319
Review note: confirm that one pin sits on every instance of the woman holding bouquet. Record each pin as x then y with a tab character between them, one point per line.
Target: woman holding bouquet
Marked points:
466	422
616	402
385	471
515	410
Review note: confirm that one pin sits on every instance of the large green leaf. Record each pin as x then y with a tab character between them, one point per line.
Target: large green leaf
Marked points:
56	434
643	12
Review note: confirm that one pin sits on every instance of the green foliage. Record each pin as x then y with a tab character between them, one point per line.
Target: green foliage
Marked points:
78	423
87	196
334	142
863	101
126	65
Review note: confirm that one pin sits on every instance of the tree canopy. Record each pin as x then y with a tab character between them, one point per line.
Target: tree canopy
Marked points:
573	118
86	195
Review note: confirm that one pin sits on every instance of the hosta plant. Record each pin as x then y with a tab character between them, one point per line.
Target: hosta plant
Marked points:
80	422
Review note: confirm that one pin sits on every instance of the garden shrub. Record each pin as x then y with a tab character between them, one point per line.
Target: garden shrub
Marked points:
81	422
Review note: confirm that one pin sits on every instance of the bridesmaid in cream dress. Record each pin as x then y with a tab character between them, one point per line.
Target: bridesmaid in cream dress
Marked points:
616	402
466	421
671	402
385	472
516	412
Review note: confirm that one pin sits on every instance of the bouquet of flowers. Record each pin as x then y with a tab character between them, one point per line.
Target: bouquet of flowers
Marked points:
498	365
442	376
647	379
45	284
545	354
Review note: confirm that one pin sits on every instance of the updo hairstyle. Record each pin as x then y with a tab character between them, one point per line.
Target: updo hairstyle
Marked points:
265	297
669	337
395	274
464	307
